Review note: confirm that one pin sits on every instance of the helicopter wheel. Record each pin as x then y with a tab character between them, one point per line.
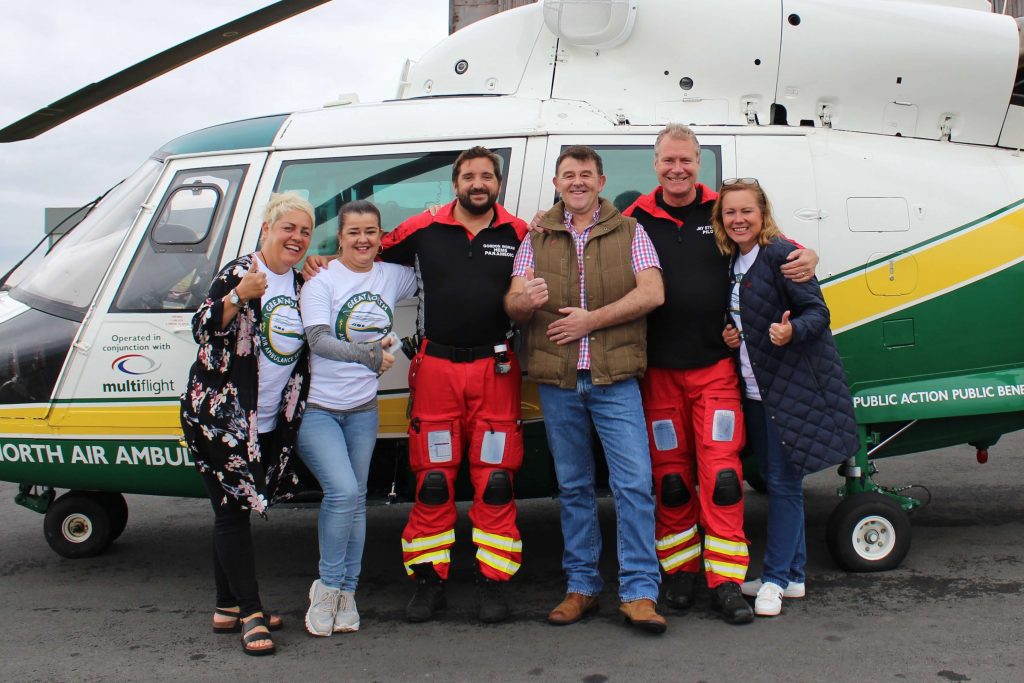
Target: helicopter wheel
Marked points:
78	524
116	507
868	532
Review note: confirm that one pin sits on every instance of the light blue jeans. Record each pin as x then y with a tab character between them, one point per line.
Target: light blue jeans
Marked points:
619	418
785	552
337	447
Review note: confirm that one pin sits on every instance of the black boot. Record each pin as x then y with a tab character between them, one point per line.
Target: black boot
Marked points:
429	597
729	601
490	593
680	589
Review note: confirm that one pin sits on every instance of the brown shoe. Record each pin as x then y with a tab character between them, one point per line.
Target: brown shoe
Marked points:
572	609
643	615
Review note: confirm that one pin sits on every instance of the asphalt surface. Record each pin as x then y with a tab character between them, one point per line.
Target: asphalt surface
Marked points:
951	612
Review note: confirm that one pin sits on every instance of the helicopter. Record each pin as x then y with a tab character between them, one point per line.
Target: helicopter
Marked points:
897	160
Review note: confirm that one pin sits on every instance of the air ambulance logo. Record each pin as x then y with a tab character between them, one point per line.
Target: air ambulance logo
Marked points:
365	317
282	338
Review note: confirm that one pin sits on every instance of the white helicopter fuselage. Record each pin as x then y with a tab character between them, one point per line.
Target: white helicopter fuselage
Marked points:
884	132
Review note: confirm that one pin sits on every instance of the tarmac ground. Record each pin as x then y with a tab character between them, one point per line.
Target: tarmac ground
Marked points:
951	612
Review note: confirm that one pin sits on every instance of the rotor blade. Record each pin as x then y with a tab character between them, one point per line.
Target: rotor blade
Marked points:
95	94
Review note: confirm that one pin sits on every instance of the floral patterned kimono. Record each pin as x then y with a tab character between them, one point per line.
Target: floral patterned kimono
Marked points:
218	408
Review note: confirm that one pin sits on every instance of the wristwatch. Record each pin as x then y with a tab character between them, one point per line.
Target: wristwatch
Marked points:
234	298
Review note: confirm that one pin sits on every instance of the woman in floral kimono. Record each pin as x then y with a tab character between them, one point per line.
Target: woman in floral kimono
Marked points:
243	404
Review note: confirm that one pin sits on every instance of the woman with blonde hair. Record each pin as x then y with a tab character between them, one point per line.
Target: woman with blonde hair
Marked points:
796	403
243	403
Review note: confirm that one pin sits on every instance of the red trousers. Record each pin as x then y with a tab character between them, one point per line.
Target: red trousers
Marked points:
460	407
696	432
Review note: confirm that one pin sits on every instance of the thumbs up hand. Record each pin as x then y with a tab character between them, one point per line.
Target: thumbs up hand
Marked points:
781	333
536	289
253	283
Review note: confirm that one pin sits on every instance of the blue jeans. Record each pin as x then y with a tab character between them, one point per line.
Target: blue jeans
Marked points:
785	552
619	418
337	447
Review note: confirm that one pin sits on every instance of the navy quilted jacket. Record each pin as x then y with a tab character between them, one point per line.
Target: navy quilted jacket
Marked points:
802	384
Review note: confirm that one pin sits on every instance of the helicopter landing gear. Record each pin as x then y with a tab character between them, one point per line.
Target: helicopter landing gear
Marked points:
868	532
84	523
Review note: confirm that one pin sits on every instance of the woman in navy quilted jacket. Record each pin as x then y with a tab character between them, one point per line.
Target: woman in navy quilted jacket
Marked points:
797	406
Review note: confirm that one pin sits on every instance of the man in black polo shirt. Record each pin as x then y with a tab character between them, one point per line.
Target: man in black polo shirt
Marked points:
691	391
464	385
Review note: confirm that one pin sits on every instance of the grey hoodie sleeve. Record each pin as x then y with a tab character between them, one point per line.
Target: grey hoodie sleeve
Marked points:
326	345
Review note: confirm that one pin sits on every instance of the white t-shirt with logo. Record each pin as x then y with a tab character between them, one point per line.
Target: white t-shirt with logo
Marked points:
281	339
358	307
739	271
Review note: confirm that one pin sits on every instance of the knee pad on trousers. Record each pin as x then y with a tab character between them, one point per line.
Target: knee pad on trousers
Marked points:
673	491
434	489
728	488
499	489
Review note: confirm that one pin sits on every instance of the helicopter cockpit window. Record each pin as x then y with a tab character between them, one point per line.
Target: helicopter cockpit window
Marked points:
401	185
178	258
62	280
187	216
630	171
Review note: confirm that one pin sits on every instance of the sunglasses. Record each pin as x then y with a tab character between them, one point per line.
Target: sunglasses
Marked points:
741	181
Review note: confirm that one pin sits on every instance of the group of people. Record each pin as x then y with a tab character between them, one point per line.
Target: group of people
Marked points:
680	328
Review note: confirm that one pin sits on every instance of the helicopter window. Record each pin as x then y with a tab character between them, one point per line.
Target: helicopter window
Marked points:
177	260
187	215
401	185
62	280
630	171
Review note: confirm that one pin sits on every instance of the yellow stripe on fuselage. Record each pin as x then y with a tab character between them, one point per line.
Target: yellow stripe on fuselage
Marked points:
953	262
162	419
127	418
93	420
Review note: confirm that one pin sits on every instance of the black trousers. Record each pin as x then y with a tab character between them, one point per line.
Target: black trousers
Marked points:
234	558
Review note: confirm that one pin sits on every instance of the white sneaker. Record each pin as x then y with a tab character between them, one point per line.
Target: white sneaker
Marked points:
323	605
769	600
793	590
347	618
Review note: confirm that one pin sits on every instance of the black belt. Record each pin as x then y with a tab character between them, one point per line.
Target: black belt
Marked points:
457	354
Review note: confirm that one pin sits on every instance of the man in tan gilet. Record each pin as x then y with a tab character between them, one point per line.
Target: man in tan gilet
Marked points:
581	289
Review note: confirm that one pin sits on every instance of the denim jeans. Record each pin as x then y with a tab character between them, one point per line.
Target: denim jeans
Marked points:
785	552
618	416
337	446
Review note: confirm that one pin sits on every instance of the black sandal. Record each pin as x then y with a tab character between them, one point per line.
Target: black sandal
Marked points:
250	636
274	622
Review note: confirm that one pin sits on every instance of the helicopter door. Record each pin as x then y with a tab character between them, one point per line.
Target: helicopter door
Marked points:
402	180
782	164
137	346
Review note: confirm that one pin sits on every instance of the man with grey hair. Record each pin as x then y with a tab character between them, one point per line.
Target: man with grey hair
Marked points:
691	391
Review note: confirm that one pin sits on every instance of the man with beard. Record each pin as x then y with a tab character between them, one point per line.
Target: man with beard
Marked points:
464	385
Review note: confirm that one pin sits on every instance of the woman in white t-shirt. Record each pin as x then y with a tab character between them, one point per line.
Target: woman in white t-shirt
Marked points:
243	404
353	300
